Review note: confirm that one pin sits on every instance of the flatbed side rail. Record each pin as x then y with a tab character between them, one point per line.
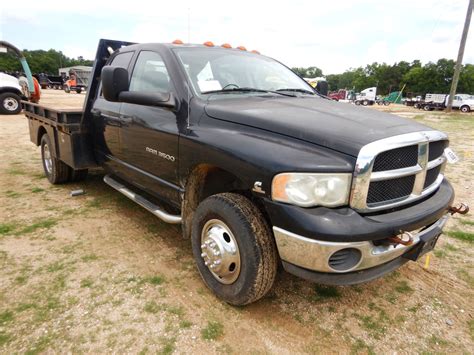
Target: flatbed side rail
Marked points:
67	116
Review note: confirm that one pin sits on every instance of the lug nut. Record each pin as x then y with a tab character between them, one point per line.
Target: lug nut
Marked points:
203	246
203	255
217	253
206	263
217	262
212	266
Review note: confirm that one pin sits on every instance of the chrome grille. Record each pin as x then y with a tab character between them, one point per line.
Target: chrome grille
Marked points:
398	170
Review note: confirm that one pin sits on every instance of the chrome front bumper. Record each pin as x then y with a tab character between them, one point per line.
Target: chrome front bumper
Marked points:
314	254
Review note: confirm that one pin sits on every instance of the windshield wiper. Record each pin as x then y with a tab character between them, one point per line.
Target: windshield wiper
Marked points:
303	91
246	89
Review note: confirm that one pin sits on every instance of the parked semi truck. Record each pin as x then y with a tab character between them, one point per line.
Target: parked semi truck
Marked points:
366	97
257	167
462	102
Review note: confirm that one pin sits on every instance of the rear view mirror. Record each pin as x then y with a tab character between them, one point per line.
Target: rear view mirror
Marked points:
114	81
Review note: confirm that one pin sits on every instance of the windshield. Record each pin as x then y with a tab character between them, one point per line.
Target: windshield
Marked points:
215	69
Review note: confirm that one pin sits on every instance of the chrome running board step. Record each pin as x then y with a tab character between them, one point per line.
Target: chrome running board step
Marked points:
148	205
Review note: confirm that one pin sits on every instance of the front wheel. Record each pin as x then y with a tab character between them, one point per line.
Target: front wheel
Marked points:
365	103
234	248
465	109
10	103
56	171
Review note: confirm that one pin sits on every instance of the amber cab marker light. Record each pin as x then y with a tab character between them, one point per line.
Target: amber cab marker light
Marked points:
256	52
177	41
226	45
208	44
242	48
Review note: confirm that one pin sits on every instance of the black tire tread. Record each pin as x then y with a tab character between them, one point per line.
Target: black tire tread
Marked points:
265	247
60	170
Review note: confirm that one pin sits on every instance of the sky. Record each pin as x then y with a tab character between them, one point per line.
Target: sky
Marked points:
332	35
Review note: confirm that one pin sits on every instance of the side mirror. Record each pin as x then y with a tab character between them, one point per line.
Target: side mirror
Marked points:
148	98
114	81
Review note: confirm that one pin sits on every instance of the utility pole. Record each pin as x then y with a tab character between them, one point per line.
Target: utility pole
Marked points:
457	68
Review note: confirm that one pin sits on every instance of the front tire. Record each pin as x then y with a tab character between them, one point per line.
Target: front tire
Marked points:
10	103
234	248
55	170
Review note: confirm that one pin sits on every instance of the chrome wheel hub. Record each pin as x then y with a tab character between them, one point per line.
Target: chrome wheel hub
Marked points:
10	104
220	251
48	162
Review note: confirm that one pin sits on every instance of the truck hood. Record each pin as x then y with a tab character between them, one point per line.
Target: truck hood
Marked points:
339	126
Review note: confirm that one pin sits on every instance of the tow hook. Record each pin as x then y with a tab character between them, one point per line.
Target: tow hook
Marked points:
462	208
405	238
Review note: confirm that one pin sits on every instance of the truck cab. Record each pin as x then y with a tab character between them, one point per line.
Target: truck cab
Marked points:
257	167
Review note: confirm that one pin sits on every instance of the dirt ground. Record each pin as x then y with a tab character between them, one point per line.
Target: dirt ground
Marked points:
97	274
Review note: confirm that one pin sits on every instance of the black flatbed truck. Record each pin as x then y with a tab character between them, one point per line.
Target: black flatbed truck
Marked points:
259	171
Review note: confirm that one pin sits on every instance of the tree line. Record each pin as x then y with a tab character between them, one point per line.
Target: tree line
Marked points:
41	61
419	79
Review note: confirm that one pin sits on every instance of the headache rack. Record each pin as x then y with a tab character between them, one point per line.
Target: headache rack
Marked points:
398	170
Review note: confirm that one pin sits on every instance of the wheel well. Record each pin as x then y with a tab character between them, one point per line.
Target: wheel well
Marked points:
204	181
10	89
41	132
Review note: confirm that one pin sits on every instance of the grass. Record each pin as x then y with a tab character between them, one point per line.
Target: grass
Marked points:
168	345
467	222
360	346
43	224
37	189
152	307
403	287
4	338
322	292
6	228
12	194
5	317
15	171
185	324
212	331
435	340
470	324
87	283
89	257
154	280
466	236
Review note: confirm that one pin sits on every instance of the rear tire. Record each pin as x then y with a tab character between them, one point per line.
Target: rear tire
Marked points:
78	91
365	103
10	103
55	170
465	109
427	108
67	89
230	233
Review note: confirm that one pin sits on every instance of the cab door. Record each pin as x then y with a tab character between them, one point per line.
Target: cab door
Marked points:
106	116
150	134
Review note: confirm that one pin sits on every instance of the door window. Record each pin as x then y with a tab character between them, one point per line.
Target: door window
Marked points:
150	74
122	60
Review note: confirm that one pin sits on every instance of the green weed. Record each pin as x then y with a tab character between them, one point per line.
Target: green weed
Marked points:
212	331
466	236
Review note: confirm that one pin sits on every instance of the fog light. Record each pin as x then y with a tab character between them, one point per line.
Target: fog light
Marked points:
345	259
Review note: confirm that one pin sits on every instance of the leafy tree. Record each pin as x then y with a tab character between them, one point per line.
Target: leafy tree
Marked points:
41	61
310	72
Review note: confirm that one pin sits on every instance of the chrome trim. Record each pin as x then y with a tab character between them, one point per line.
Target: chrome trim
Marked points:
434	163
148	205
363	175
314	254
396	173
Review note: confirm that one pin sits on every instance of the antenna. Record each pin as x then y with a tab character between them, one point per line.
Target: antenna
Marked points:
189	25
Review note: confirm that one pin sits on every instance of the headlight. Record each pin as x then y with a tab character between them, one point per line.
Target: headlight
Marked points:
306	189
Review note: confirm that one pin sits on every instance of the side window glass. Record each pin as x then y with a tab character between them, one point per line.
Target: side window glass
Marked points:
150	74
122	60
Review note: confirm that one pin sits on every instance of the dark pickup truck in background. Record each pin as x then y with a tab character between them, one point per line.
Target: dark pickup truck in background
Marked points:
258	168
